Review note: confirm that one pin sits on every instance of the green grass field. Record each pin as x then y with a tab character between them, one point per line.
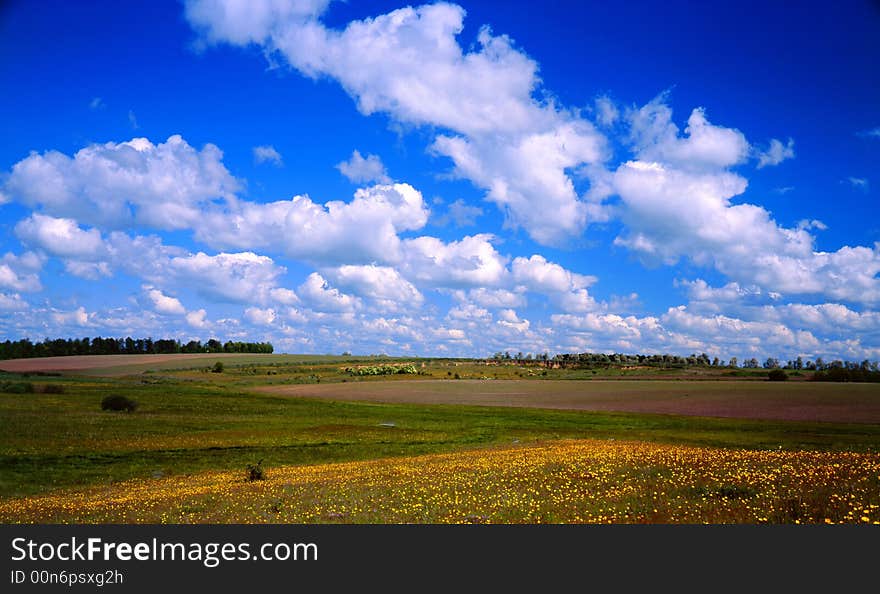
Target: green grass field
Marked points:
190	421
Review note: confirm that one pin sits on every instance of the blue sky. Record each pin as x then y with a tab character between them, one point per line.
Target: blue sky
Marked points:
444	179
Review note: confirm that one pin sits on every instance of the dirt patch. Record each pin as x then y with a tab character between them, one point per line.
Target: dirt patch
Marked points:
98	362
801	401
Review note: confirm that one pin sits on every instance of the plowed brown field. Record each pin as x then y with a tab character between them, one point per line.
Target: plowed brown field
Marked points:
791	401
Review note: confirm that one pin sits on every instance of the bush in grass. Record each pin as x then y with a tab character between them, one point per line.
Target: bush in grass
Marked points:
16	387
218	367
116	402
255	472
52	389
777	375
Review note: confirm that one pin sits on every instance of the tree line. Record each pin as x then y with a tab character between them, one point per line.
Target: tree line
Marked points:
667	361
60	347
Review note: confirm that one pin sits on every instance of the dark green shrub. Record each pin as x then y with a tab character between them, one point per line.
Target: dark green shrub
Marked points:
17	387
52	389
777	375
115	402
218	367
255	472
840	374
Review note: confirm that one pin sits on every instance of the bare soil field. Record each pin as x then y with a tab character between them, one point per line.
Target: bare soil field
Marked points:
800	401
110	364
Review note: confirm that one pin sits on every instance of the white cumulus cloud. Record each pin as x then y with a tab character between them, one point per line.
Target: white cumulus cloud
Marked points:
365	229
317	293
267	154
382	284
60	237
361	169
20	272
162	303
260	317
776	153
409	64
117	185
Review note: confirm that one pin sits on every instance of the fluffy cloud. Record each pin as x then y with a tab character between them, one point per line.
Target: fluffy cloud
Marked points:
776	153
409	64
364	170
77	317
267	154
243	277
88	270
565	288
469	262
198	319
656	138
20	272
248	22
676	201
493	298
606	112
172	186
162	303
613	330
829	318
118	185
317	293
60	237
283	296
509	319
469	312
683	331
363	230
722	332
732	293
260	317
382	284
526	176
12	302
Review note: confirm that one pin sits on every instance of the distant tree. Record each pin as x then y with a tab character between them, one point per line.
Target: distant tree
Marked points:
59	347
193	346
777	375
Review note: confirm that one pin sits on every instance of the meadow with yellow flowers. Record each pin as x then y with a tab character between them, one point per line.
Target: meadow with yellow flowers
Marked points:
182	456
580	481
